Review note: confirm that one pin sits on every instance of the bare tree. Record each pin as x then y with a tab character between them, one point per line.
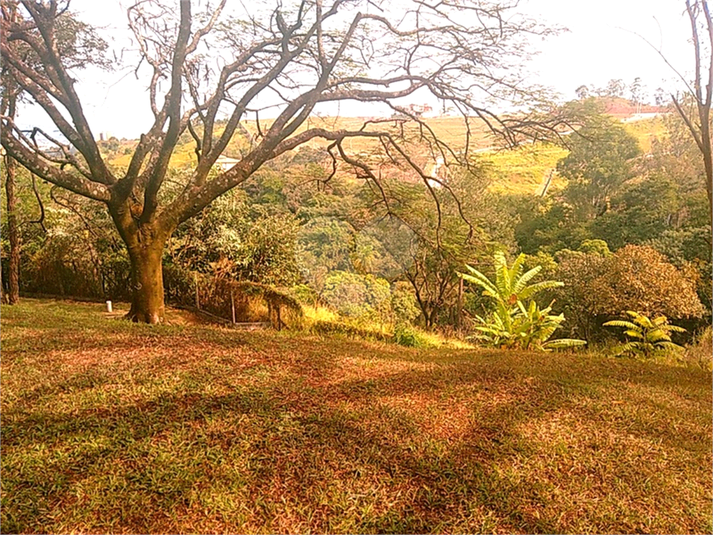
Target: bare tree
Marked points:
694	107
10	164
211	71
8	106
698	120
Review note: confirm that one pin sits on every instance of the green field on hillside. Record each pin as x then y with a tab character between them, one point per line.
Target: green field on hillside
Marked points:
522	170
109	426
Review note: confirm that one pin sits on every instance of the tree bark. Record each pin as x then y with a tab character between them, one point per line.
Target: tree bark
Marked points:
13	291
147	305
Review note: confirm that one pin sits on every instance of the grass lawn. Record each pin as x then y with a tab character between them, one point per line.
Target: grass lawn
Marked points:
114	427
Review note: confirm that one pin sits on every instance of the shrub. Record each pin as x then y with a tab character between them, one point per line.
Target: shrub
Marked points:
647	336
304	294
599	247
406	335
527	328
634	278
361	297
403	303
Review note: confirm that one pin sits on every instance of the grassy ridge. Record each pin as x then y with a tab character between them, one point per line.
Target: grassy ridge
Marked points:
115	427
523	170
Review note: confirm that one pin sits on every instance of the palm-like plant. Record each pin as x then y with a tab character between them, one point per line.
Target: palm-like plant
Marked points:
649	335
511	284
514	324
524	328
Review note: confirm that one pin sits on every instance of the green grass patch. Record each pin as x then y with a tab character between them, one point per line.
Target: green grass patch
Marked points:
525	170
109	426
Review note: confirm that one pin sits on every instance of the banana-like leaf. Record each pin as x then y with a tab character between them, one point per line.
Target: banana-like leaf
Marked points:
622	323
515	271
476	277
502	281
629	347
643	321
539	287
660	320
563	343
657	335
675	329
634	333
669	345
521	282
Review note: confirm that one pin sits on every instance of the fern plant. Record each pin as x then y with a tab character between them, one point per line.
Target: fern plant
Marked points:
645	336
514	324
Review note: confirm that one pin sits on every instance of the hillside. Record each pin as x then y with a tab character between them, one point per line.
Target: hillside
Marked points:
118	427
523	170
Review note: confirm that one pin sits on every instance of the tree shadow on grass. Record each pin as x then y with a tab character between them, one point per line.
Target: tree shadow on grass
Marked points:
297	443
332	452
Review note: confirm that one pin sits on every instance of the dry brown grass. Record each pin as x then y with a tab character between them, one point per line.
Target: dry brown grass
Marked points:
113	427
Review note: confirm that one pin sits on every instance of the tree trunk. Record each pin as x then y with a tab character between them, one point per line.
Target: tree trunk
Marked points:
147	305
13	292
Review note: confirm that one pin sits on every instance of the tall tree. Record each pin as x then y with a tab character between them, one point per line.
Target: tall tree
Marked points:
75	42
8	106
13	268
699	122
293	57
694	106
600	161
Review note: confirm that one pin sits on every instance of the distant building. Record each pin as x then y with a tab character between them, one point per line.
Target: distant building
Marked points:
412	110
224	163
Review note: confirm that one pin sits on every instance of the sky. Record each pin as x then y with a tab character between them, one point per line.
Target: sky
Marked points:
601	44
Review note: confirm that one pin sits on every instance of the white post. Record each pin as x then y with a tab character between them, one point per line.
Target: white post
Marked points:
108	306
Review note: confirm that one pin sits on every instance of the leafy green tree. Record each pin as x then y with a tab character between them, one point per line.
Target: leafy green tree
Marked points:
690	248
546	224
243	239
429	247
403	303
81	46
641	211
361	297
600	161
69	246
599	247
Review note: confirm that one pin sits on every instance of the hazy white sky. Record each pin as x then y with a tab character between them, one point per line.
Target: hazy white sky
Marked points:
600	45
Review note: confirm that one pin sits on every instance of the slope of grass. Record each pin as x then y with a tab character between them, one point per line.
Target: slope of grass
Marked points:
523	170
526	169
113	427
646	131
